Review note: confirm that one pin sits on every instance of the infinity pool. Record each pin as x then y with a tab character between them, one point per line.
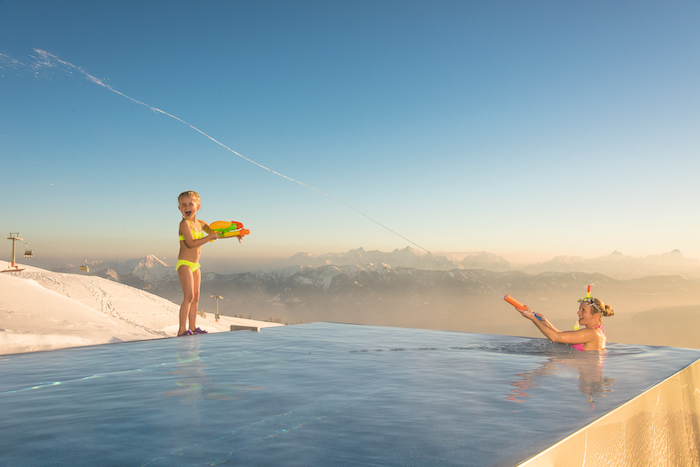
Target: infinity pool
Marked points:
314	395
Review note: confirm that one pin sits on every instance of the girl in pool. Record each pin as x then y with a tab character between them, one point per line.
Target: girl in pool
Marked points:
192	237
590	317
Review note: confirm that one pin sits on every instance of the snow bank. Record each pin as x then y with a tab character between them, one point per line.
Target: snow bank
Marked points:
43	310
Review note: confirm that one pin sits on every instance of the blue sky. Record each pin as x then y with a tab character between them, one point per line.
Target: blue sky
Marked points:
528	129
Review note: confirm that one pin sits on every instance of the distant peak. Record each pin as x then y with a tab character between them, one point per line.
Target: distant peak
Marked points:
408	249
151	260
302	254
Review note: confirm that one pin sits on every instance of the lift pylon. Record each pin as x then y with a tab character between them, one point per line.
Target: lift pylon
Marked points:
14	236
217	297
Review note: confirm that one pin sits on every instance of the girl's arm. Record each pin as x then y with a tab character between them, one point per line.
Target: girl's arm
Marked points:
553	334
195	243
566	337
547	323
537	318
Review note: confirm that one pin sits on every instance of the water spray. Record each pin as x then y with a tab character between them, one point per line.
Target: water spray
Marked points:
49	58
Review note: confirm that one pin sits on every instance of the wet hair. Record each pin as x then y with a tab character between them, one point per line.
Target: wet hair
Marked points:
599	307
192	194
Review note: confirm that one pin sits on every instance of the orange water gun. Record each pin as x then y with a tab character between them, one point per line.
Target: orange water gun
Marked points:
225	229
519	306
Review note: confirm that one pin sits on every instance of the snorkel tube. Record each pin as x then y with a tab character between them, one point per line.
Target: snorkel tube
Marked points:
519	306
588	299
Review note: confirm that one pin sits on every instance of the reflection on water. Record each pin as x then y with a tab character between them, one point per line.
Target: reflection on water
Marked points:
553	360
190	370
590	368
194	384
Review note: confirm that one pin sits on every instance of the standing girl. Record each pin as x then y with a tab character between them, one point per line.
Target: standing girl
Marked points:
192	237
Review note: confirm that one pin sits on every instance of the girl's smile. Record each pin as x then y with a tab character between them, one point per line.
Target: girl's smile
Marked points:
188	207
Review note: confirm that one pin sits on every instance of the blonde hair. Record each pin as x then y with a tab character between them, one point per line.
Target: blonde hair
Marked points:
600	307
192	194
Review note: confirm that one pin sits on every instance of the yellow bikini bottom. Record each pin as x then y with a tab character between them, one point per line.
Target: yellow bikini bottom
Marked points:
184	262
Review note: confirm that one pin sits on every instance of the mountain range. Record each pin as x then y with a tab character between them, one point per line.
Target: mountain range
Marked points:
407	257
621	266
615	265
450	298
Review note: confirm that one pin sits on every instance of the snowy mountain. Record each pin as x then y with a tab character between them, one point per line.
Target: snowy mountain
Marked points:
485	260
623	267
148	269
615	265
407	257
137	272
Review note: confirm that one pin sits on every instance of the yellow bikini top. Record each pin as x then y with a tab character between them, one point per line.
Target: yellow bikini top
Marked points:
195	234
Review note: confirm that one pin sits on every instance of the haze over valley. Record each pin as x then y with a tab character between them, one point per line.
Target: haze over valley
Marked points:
656	298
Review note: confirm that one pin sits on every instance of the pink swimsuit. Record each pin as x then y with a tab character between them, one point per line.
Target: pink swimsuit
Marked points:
579	347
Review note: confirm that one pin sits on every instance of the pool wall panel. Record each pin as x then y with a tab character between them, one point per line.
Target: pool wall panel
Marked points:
657	428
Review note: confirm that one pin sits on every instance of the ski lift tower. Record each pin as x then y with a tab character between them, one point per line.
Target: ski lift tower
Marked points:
217	297
14	236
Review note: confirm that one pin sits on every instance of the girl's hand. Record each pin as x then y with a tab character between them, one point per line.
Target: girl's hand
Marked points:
528	313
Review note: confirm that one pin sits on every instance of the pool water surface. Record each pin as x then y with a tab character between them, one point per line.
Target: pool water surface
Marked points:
313	395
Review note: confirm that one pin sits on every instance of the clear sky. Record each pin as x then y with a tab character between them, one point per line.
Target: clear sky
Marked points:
525	128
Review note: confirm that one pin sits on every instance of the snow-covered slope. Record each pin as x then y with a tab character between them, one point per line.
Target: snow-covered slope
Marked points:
43	310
